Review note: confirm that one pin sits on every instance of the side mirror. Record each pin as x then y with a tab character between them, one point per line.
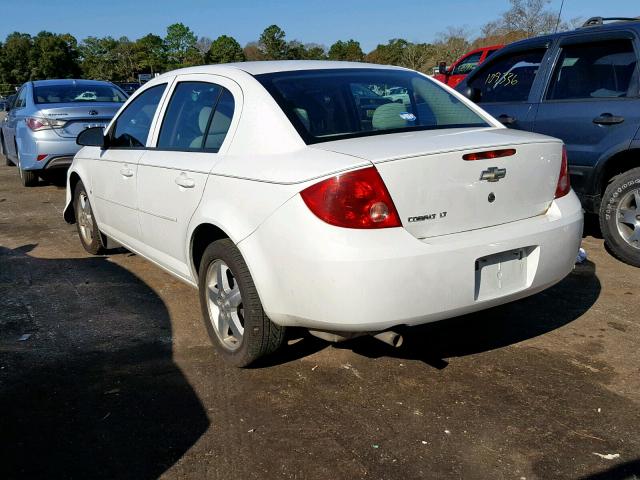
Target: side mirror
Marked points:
472	94
442	68
92	137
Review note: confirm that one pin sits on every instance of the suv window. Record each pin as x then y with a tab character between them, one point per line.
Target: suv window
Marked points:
467	64
220	122
597	70
508	78
188	115
132	126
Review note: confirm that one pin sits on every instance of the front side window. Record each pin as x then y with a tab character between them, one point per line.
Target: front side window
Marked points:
330	104
598	70
132	126
467	64
78	92
508	78
188	116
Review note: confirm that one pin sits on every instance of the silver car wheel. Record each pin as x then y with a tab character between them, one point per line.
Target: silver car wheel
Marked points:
224	304
85	218
628	218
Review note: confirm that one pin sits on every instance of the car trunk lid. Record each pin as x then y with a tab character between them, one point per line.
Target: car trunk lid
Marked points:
79	117
437	192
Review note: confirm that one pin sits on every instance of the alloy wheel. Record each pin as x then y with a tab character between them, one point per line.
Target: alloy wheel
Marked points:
85	218
628	218
224	304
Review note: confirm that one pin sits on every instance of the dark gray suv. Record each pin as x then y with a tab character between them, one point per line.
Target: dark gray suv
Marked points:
582	86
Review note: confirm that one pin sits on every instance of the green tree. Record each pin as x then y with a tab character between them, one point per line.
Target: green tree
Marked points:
273	44
225	49
151	52
15	58
314	51
347	51
181	46
390	54
99	58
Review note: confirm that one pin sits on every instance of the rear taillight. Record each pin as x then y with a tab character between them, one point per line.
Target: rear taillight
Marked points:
37	123
564	185
357	199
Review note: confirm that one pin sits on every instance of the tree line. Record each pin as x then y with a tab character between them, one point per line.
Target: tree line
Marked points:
53	55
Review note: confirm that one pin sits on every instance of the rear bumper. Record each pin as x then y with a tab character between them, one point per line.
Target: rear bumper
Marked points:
317	276
59	152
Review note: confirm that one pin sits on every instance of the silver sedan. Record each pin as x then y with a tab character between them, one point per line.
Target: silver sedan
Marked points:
40	129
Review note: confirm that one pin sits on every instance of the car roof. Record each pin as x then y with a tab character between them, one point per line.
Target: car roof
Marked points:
68	81
273	66
602	28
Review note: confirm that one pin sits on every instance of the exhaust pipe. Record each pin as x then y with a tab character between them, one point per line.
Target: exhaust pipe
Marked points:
390	338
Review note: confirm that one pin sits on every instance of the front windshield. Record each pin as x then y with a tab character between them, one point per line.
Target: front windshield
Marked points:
326	105
76	93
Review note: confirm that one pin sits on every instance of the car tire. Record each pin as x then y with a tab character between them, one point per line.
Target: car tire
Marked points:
620	217
29	178
90	236
233	315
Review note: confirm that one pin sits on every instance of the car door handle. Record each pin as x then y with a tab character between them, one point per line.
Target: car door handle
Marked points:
608	119
126	172
184	181
507	119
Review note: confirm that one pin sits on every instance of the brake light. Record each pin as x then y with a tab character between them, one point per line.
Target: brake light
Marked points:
564	184
41	157
36	123
506	152
357	199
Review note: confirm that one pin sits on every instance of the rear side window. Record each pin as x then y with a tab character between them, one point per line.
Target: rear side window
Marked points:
133	124
220	122
598	70
508	78
188	115
331	104
21	98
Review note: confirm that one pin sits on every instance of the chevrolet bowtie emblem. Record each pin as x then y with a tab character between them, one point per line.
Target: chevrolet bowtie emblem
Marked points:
493	174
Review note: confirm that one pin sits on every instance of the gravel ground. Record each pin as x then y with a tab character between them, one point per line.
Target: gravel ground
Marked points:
106	372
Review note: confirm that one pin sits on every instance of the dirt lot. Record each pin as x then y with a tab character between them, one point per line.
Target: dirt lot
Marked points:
117	378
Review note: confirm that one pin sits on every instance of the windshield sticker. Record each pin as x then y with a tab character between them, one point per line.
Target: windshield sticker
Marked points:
409	117
507	79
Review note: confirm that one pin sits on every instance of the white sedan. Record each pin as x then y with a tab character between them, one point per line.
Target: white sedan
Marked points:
288	201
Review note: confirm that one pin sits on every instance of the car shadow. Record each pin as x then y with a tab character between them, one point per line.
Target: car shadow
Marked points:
624	471
494	328
88	385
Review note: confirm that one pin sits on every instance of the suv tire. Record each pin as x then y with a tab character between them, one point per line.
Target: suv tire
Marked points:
620	216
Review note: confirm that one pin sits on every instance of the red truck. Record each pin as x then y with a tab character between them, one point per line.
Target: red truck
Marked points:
453	75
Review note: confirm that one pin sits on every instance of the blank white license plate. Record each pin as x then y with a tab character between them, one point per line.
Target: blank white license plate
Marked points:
502	273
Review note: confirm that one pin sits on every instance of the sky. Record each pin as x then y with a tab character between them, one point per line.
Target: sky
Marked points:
370	22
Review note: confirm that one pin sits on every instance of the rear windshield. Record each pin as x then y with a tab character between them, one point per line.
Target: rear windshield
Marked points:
326	105
75	93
